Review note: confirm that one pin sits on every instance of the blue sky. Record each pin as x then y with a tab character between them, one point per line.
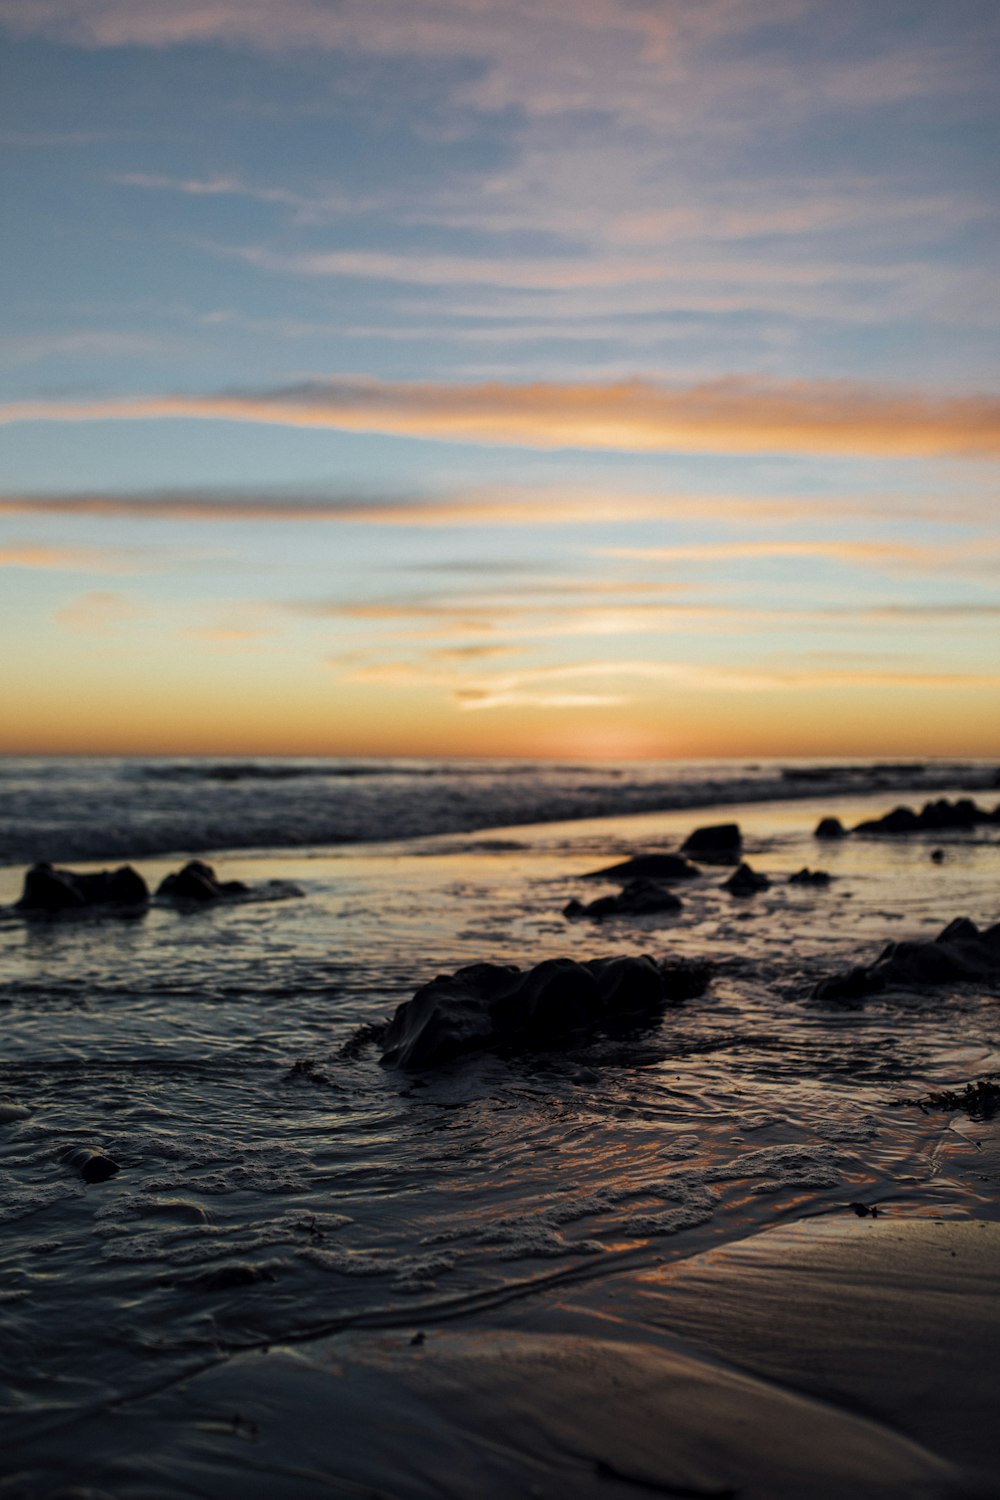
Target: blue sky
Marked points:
465	376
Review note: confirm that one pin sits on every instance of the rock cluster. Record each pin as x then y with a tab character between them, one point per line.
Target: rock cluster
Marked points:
48	889
932	816
961	953
493	1006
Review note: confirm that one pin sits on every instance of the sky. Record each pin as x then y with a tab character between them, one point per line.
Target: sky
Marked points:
547	378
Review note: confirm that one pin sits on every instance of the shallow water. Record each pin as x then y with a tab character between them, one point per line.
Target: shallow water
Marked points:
272	1189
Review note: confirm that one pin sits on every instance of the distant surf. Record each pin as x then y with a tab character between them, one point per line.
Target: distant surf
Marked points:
77	808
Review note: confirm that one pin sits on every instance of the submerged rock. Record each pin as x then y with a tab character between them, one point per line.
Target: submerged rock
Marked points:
92	1164
745	882
487	1005
830	828
961	953
660	867
809	877
719	843
47	889
932	816
637	898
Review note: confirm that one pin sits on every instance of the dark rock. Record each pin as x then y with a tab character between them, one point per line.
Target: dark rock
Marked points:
809	877
661	867
960	954
500	1006
745	882
718	844
637	898
197	882
47	889
932	817
230	1278
830	828
900	820
92	1165
937	855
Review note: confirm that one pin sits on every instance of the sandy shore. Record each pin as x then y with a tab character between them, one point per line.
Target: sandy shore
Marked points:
828	1358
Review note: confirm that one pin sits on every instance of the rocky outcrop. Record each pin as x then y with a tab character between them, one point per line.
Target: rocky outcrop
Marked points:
197	882
745	881
960	954
48	890
830	828
637	898
809	877
719	843
931	818
498	1006
662	867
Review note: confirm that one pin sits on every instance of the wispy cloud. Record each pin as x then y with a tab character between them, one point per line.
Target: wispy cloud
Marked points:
100	610
307	206
587	683
511	505
547	58
738	414
976	557
37	555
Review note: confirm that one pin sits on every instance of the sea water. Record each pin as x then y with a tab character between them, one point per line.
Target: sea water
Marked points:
276	1182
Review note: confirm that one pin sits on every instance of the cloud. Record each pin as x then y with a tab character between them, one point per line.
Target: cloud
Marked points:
736	414
68	559
635	60
511	505
554	687
98	611
886	554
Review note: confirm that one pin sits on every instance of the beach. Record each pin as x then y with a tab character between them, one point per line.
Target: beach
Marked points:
745	1246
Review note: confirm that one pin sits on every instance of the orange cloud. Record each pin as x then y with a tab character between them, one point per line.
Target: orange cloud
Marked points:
731	415
70	559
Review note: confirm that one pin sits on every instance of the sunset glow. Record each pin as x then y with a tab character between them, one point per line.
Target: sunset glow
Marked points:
577	380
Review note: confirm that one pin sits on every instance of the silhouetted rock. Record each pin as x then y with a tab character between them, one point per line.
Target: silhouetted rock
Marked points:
830	828
937	856
47	890
809	877
661	867
932	816
500	1006
197	882
745	882
637	898
718	844
960	954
